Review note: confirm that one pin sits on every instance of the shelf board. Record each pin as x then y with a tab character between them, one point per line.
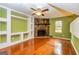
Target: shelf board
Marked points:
18	33
25	32
3	32
3	20
19	17
42	24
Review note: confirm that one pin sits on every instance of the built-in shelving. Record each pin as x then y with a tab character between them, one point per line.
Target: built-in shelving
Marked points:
12	34
7	19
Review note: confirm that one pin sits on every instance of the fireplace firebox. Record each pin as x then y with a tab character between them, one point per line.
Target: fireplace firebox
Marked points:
41	32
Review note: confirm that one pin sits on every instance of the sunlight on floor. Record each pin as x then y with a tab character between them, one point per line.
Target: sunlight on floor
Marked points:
58	48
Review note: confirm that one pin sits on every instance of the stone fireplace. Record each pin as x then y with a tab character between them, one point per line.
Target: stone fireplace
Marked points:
41	27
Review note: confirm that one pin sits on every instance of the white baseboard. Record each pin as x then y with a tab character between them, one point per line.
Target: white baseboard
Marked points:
74	48
62	38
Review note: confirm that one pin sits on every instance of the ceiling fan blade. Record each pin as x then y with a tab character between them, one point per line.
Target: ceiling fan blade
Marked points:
33	14
42	14
64	12
33	9
45	10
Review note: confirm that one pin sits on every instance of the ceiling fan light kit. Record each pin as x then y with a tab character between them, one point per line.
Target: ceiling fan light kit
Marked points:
38	13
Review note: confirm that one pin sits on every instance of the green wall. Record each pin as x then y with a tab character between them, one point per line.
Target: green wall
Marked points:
75	41
2	38
65	28
2	26
3	12
18	25
15	38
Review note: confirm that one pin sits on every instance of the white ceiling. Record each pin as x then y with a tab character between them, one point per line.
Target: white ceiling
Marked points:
25	8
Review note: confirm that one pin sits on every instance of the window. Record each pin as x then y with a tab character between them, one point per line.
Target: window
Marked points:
58	26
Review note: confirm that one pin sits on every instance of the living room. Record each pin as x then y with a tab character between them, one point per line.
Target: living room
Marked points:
39	29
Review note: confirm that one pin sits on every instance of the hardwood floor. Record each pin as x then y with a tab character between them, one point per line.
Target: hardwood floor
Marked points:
42	46
49	46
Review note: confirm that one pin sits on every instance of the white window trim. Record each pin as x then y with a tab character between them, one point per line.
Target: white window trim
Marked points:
58	26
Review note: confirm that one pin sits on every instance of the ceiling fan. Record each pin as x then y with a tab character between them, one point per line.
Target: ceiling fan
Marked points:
39	11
